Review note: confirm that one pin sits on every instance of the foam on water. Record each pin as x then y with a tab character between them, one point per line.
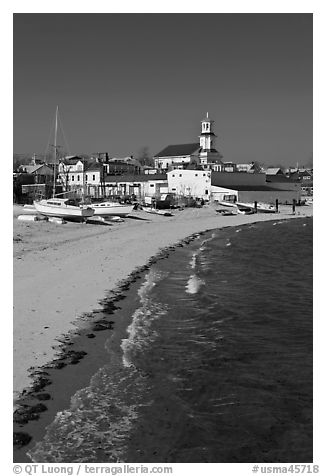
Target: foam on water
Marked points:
101	416
98	422
140	332
194	284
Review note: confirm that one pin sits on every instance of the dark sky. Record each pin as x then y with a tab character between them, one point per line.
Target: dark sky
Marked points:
126	81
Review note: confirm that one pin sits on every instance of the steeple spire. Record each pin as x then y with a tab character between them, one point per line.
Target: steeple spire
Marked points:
207	136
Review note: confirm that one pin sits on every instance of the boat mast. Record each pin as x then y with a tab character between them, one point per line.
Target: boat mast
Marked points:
55	150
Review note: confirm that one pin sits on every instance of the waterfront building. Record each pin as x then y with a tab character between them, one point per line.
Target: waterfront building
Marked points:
257	187
190	183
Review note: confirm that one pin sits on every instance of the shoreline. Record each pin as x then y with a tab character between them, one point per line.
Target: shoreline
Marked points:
59	281
98	340
55	383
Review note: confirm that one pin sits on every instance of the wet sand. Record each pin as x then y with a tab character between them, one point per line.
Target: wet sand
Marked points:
62	273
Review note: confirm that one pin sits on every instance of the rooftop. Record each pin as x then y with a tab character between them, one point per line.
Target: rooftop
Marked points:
178	149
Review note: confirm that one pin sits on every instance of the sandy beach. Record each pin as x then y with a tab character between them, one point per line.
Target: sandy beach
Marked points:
62	272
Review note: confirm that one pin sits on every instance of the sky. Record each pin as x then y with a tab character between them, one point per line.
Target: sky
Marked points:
128	81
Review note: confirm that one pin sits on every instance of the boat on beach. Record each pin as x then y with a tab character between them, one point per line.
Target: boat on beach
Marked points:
232	208
105	209
261	207
164	213
63	208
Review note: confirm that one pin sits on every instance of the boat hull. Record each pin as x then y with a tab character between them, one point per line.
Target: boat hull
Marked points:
261	207
67	212
106	209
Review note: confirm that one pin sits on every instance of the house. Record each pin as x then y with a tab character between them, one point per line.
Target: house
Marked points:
42	173
251	168
305	177
190	183
94	173
274	171
71	171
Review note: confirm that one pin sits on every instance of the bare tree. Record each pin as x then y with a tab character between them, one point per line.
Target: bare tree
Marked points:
144	157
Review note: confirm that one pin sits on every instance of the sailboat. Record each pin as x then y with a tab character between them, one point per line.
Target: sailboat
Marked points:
61	207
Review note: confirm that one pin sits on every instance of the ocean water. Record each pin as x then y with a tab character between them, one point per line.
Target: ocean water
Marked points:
216	362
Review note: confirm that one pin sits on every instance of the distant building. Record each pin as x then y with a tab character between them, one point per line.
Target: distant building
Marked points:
177	156
190	183
257	187
141	185
202	155
306	179
229	167
125	165
251	168
274	171
42	174
71	171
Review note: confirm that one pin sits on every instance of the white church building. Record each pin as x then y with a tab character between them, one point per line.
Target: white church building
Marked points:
200	155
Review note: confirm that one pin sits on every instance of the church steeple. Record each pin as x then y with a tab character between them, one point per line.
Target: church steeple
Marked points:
207	137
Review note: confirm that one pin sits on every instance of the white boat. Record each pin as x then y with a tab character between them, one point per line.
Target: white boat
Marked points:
226	204
165	213
261	207
63	208
105	209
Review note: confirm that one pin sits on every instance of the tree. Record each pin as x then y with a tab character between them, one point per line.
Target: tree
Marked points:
144	157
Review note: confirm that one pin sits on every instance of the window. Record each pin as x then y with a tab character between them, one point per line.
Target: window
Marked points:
196	175
173	175
72	178
86	178
173	190
93	178
151	185
204	175
78	178
180	175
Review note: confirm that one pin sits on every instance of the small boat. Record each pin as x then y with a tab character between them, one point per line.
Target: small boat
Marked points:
105	209
261	207
227	212
226	208
164	213
227	204
63	208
